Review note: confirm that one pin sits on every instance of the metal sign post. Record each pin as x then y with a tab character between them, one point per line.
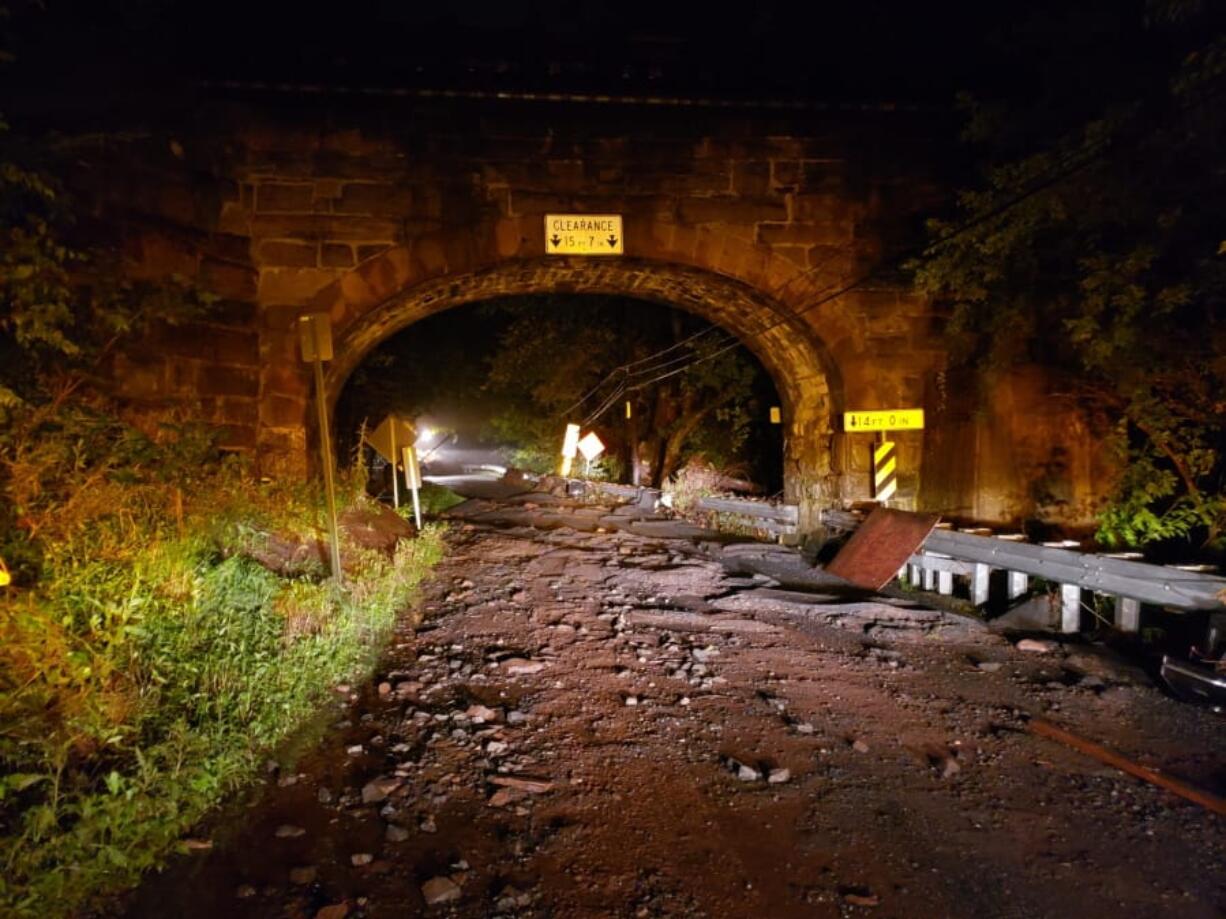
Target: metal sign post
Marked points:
387	440
315	337
395	474
591	447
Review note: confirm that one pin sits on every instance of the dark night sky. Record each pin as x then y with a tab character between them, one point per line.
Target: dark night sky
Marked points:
903	52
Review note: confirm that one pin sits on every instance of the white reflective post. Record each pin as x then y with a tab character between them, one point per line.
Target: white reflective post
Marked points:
412	477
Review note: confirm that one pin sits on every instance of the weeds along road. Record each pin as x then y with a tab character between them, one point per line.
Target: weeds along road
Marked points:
604	716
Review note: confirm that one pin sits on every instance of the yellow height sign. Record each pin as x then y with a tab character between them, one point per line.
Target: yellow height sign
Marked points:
885	470
899	419
584	234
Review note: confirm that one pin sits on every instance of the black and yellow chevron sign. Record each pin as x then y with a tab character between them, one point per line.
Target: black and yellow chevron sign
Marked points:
885	470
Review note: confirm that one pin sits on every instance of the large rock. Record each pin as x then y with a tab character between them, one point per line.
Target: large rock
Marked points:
377	529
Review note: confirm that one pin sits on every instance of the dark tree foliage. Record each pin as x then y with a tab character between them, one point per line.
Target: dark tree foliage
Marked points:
701	401
1099	250
515	371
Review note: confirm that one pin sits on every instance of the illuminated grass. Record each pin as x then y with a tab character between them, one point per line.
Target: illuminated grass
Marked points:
152	667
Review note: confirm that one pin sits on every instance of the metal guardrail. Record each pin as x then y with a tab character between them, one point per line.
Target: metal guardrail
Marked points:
777	519
945	555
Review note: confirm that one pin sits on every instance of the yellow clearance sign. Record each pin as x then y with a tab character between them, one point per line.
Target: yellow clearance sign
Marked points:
584	234
900	419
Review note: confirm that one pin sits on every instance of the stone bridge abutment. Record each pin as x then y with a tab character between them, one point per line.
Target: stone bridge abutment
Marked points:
781	228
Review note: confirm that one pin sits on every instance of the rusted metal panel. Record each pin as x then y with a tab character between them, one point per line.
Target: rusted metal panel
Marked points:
880	546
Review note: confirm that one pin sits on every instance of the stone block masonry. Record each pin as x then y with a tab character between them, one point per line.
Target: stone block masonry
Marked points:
382	212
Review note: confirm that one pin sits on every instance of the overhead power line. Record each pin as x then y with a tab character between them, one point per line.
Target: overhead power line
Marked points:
1060	172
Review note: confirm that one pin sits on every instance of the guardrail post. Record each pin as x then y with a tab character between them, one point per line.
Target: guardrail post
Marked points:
930	579
1019	583
1127	614
1070	608
980	579
945	583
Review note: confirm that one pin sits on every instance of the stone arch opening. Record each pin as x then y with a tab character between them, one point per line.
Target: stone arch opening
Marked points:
802	370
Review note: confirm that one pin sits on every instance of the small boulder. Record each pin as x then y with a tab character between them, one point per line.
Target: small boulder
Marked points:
440	890
396	833
1036	646
378	789
748	773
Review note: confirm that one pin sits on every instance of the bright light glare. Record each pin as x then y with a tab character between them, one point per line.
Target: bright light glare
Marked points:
424	434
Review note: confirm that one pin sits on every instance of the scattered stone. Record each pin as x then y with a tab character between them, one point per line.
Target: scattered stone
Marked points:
385	689
323	796
355	750
861	899
304	874
859	746
358	859
198	845
517	666
804	728
378	789
286	781
244	892
335	911
289	831
496	748
480	714
396	833
522	783
516	717
989	666
440	890
428	825
632	700
1036	646
779	776
748	773
504	796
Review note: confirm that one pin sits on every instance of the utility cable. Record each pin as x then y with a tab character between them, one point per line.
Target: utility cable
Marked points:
1073	165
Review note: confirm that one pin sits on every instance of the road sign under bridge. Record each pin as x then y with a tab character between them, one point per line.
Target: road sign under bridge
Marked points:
899	419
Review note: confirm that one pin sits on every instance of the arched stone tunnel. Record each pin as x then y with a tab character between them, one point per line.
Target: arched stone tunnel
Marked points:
799	364
782	228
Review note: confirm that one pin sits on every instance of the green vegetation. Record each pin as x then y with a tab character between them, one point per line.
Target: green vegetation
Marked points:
522	364
555	350
434	500
150	667
147	664
1094	247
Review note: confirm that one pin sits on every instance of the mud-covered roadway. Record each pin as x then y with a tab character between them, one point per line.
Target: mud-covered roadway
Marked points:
605	716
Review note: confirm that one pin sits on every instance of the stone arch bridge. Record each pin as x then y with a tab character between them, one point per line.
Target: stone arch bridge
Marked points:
381	210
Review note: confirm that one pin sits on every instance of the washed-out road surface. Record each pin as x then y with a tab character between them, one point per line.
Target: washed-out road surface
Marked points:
603	715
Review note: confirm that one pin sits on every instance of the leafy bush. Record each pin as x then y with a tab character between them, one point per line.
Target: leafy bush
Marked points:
146	666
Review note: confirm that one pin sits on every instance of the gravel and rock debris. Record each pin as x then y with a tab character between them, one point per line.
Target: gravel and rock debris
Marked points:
604	716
